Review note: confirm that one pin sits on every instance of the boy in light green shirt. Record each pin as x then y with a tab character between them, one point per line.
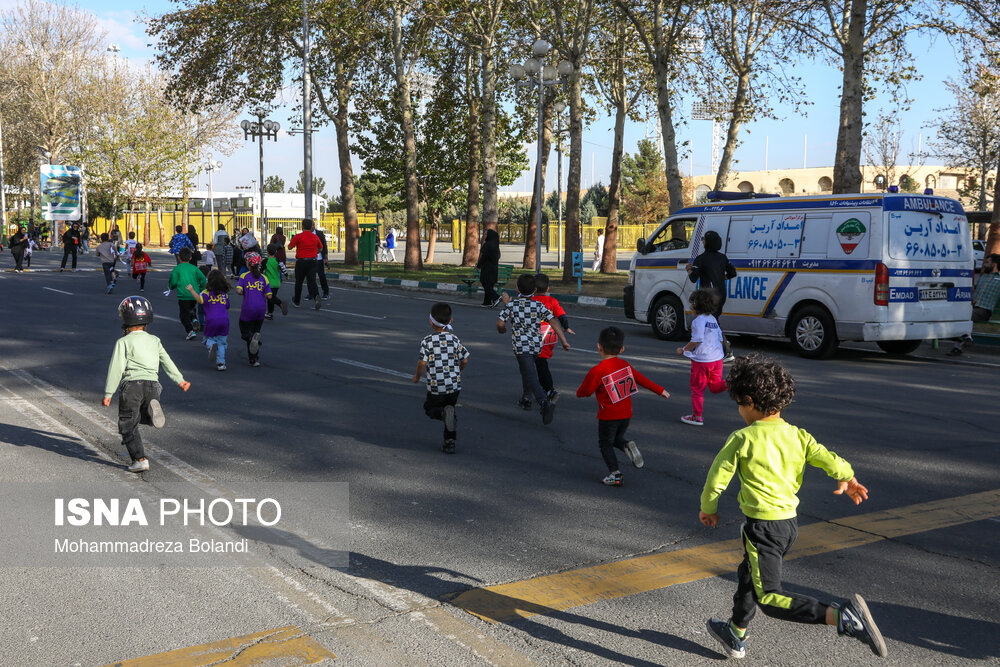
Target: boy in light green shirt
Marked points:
770	456
134	373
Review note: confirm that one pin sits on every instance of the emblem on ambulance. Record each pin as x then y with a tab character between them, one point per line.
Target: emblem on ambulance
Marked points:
850	233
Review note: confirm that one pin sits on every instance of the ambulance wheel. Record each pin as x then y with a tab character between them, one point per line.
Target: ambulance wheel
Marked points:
667	318
813	333
899	346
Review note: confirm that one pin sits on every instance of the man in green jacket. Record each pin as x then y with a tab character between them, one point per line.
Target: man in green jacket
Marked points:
184	274
770	456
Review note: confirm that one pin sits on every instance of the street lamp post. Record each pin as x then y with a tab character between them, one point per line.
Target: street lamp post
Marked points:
535	72
262	129
210	167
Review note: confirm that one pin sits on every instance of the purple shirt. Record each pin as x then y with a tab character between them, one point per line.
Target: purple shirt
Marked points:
216	305
255	291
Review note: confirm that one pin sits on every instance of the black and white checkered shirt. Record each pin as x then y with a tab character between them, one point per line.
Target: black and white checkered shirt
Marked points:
526	316
442	351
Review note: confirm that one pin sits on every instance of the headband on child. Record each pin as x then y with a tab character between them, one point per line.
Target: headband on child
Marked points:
438	324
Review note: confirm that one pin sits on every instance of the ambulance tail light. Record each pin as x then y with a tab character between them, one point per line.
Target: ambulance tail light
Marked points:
881	284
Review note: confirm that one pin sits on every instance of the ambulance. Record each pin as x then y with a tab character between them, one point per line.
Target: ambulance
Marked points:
892	268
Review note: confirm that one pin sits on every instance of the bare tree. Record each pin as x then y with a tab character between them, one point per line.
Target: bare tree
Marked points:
882	150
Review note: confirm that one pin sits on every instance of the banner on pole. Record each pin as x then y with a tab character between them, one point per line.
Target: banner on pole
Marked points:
61	186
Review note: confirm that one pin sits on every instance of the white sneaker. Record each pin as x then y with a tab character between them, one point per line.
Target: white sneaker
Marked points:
633	454
693	420
142	465
220	367
191	335
156	414
254	346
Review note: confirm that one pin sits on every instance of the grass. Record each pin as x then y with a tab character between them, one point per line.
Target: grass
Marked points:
594	284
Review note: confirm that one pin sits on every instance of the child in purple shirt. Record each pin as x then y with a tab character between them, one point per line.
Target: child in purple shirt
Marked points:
256	291
215	301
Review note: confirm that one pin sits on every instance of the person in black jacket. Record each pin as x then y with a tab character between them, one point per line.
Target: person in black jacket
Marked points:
71	241
18	242
321	260
713	269
489	267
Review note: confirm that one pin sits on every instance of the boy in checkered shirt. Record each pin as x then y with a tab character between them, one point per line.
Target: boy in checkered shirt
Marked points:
442	357
526	317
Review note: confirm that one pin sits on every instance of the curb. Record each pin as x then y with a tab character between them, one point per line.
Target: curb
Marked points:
452	288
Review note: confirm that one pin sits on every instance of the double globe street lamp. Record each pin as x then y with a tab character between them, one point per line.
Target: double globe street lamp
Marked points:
260	130
536	72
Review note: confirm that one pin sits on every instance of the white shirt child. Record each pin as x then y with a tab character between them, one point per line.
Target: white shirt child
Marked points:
209	258
705	330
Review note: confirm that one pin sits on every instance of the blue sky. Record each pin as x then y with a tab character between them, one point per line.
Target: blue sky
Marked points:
936	60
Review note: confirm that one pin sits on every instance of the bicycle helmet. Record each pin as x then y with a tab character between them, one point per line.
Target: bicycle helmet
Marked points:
135	310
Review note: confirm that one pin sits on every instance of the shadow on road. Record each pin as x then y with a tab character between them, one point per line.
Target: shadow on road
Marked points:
942	633
21	436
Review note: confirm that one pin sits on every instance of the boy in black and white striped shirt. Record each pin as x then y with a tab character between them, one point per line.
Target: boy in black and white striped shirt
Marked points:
442	358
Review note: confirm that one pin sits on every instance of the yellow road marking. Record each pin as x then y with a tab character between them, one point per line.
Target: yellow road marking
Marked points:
565	590
281	646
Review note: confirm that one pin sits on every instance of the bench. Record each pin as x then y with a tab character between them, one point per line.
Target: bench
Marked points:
504	272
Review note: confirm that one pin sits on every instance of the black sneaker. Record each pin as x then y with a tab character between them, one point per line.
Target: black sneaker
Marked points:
553	396
318	304
524	403
449	418
269	316
732	646
548	412
284	307
449	446
854	620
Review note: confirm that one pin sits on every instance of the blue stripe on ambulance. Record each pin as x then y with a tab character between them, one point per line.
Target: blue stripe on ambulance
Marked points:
773	301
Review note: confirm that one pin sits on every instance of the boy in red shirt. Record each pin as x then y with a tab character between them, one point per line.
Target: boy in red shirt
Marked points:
615	381
548	335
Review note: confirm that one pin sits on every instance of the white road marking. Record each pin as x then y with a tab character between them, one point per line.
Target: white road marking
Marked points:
377	369
52	289
648	360
341	312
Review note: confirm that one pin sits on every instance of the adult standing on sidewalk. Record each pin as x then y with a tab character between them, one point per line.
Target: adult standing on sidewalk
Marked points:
278	239
71	241
489	267
321	264
18	243
307	247
984	299
598	250
390	244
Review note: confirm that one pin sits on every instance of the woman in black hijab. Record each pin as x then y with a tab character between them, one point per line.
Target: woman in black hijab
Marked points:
18	242
489	260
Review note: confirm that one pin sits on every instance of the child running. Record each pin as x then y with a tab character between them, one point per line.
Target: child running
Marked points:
209	256
256	292
614	380
705	352
443	358
548	335
526	316
140	265
770	455
134	374
29	247
273	270
215	300
182	275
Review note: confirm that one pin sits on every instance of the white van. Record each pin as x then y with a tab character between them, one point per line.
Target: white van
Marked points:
895	269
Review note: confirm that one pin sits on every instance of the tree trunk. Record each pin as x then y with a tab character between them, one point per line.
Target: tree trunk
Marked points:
993	235
735	122
573	240
490	205
536	196
847	162
609	261
340	121
411	260
675	188
433	219
145	227
470	253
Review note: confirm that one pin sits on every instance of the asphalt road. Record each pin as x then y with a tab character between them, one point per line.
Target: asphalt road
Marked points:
333	403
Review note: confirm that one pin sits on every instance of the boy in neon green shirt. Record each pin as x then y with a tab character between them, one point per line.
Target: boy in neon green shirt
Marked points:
770	456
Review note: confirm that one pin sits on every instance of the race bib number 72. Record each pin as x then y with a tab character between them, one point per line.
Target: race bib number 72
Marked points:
620	384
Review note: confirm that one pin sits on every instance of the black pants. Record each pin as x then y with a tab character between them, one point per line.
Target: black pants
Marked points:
68	249
305	270
765	544
109	272
544	374
434	406
247	330
141	277
273	301
133	409
321	274
611	436
489	283
727	347
18	258
530	386
188	311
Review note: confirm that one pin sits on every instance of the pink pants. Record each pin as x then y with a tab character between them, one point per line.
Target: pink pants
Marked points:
705	375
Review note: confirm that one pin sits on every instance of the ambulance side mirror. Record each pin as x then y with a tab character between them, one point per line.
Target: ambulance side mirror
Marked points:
640	246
